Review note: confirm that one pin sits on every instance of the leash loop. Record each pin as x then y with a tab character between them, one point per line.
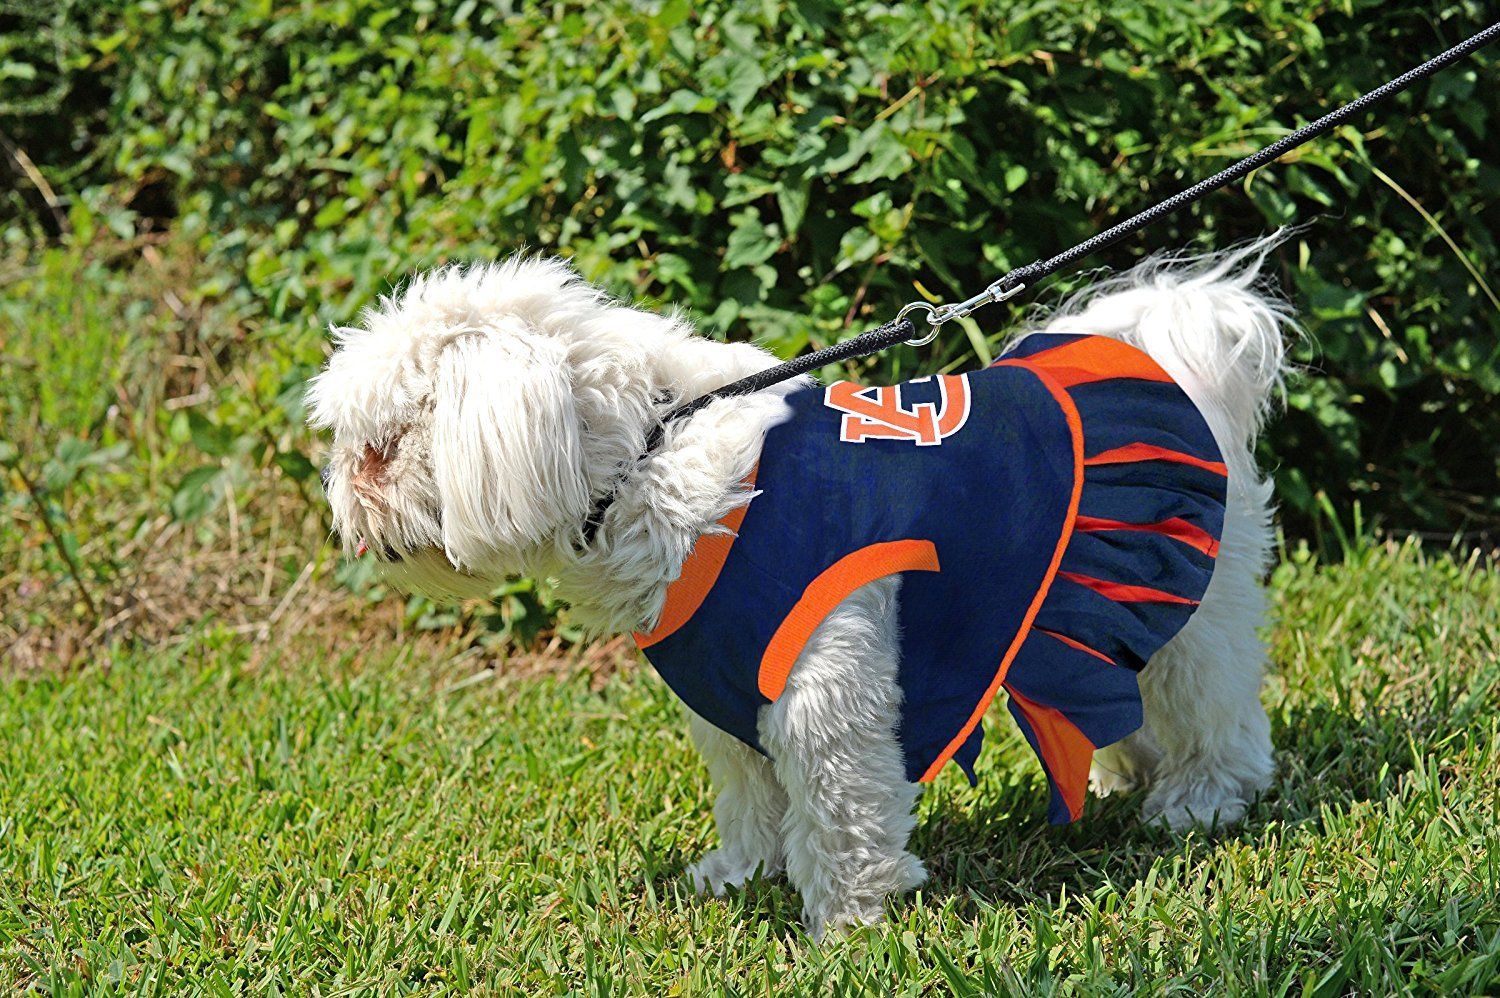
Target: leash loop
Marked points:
933	322
939	314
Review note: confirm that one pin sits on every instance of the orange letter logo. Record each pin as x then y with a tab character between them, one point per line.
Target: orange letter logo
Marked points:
877	413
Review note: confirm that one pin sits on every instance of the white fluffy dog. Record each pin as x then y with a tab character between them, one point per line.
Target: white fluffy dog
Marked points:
480	413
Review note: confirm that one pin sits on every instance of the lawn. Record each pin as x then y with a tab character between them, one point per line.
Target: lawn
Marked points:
230	763
268	815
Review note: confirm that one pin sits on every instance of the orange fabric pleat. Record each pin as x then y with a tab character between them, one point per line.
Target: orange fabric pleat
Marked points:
1074	643
1067	751
827	591
1121	593
1176	528
1131	453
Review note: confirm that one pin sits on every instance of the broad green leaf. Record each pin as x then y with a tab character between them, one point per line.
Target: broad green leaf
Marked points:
199	491
792	200
681	102
296	465
750	241
209	437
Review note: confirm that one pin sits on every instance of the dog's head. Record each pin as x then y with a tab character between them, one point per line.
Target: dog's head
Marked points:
477	415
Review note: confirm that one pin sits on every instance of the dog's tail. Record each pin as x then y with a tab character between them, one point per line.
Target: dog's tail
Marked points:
1209	321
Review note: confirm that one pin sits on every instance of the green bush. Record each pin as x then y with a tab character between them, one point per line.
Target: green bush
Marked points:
794	171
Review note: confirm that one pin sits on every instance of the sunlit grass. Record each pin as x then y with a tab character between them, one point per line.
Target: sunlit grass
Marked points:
196	794
186	817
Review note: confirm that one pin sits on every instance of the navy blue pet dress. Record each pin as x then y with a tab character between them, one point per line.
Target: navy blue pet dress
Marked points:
1055	519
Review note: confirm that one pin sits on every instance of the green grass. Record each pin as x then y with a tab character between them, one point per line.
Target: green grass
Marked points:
196	795
233	816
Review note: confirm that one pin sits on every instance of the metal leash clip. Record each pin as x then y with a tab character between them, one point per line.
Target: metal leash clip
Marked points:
939	314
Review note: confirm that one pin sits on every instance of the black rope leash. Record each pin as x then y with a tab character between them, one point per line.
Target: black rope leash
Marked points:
1013	282
866	343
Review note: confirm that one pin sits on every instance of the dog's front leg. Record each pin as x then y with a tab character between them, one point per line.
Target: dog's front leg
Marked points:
832	734
748	811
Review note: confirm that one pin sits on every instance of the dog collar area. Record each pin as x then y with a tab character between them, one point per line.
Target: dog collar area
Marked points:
600	508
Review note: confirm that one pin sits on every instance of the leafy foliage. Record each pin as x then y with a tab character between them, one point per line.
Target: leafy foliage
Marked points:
791	171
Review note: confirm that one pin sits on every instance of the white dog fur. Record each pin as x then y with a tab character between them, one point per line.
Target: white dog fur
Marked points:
480	411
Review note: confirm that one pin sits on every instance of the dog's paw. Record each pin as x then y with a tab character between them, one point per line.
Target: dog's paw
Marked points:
1104	781
722	869
833	927
911	873
1182	808
837	906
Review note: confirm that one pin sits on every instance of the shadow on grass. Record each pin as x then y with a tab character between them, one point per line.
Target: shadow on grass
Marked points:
762	900
994	843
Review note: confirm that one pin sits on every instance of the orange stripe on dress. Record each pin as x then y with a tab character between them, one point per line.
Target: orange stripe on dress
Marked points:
1075	429
1066	751
1176	528
832	586
1122	593
687	592
1095	358
1131	453
1075	643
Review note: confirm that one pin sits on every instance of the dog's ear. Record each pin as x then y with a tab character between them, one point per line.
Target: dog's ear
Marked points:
506	454
372	474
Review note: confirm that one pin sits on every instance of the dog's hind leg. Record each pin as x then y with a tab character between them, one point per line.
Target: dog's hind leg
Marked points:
1205	748
832	734
1206	743
748	812
1124	766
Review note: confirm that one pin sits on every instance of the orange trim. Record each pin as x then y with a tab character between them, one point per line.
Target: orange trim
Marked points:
1067	751
699	572
1075	427
1176	528
1095	358
1074	643
1121	593
1131	453
827	591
